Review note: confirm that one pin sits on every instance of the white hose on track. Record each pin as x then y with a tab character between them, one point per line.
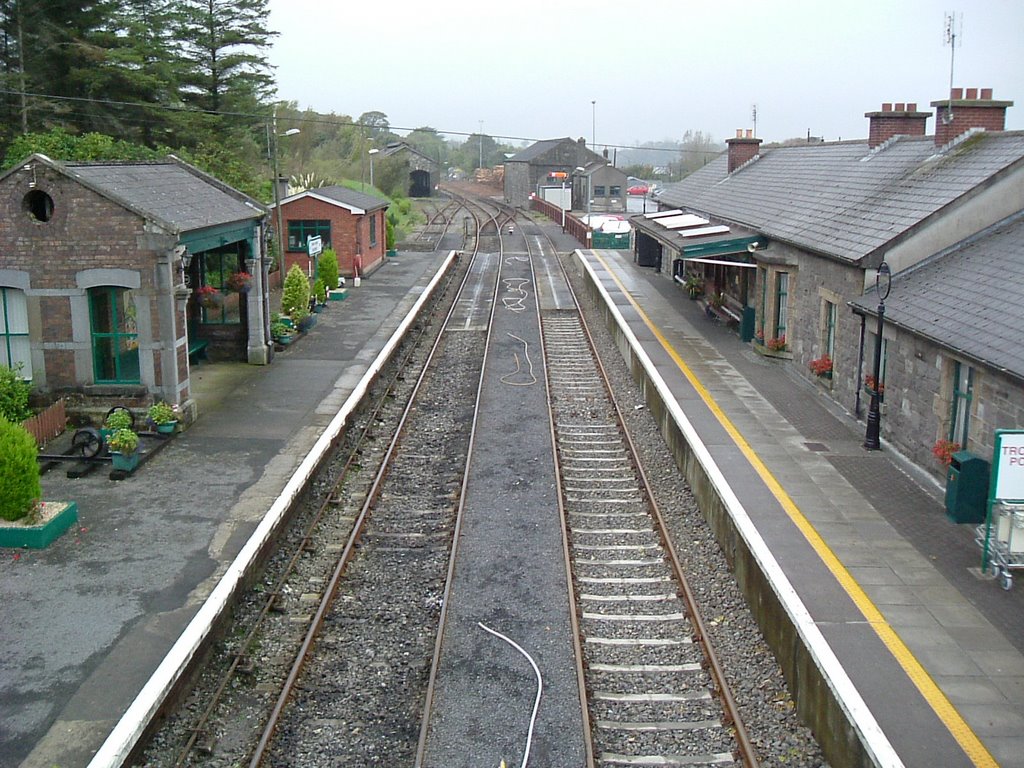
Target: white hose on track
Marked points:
540	688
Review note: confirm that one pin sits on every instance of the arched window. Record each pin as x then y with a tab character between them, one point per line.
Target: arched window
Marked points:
115	345
14	343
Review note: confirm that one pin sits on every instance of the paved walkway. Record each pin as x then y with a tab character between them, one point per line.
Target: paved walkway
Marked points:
85	622
883	519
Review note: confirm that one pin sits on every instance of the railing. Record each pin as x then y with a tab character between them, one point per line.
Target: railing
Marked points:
572	225
47	424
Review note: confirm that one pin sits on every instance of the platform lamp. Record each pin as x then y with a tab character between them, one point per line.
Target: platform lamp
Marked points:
883	283
371	153
277	191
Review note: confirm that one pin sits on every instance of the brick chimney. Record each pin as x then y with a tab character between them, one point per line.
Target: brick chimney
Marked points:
742	148
899	120
974	108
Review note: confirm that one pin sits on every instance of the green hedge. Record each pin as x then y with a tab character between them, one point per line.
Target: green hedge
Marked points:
19	471
13	396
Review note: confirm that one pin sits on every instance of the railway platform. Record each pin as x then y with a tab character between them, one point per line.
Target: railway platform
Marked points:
928	653
87	621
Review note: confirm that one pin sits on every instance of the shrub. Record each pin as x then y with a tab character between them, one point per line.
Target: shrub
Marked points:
14	394
389	234
123	441
320	291
295	294
19	471
119	418
162	413
327	268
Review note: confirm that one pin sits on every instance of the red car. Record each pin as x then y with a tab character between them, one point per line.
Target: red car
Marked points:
639	189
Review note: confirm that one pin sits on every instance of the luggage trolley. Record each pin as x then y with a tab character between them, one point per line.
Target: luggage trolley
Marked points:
1001	537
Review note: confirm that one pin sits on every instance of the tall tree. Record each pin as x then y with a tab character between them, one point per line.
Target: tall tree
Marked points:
224	43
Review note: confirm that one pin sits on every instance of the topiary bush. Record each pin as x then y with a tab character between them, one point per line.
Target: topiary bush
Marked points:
19	471
14	394
320	291
295	294
327	268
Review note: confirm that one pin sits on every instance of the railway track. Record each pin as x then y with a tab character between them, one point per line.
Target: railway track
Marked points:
346	653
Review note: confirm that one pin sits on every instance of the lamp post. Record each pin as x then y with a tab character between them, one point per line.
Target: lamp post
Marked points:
883	282
593	124
371	153
277	191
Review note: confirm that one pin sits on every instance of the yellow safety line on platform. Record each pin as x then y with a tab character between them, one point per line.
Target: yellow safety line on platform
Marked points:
951	718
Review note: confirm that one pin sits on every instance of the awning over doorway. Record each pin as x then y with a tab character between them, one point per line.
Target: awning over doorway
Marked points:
692	237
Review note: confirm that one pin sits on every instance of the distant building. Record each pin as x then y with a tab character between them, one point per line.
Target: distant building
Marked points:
424	171
599	188
529	168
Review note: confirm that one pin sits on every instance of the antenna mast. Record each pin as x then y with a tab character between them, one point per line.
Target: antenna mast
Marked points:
951	38
753	117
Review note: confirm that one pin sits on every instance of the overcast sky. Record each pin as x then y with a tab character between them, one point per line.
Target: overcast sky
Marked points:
530	69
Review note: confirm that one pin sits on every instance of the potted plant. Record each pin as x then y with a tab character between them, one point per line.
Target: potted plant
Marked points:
822	366
209	297
124	449
777	344
116	418
164	417
281	332
240	282
943	450
717	300
694	286
295	293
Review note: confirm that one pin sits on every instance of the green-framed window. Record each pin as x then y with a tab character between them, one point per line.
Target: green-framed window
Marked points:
963	393
15	351
115	343
831	315
217	269
781	303
300	230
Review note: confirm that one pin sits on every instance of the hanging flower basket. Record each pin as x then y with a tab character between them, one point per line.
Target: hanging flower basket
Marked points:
240	282
943	450
209	297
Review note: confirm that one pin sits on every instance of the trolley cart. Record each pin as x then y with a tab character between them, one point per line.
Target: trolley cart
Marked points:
1001	537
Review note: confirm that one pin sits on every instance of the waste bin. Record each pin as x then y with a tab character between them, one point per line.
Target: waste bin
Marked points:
747	324
967	488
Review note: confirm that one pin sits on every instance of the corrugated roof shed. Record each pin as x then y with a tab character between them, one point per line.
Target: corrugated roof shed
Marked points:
967	298
844	200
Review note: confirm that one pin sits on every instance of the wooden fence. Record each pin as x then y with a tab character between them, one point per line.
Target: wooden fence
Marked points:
47	424
572	225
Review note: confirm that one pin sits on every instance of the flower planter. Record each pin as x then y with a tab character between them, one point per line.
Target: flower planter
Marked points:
124	462
57	517
307	323
392	252
167	428
337	295
284	340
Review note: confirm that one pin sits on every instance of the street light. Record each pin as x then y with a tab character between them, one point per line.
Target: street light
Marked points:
883	283
593	124
372	152
277	191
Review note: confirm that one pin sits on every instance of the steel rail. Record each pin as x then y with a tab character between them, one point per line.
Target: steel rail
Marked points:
353	541
459	516
744	745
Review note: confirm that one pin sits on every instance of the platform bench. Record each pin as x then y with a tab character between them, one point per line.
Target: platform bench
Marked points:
197	350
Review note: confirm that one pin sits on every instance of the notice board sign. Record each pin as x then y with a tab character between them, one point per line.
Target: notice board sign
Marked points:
315	245
1008	465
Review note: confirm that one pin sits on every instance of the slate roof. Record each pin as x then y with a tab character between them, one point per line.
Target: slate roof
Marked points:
179	197
349	198
967	298
401	146
842	199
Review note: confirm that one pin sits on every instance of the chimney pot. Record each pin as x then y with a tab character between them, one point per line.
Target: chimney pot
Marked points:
911	106
899	106
739	133
971	94
956	93
750	133
986	94
887	107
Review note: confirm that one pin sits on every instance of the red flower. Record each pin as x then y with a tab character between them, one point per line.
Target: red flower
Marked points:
943	450
821	365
